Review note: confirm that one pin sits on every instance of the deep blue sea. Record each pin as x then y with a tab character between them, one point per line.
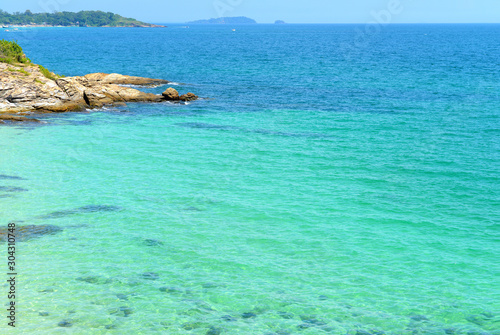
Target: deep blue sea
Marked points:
329	181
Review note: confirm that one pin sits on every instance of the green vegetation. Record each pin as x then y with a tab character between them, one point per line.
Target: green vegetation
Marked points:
12	53
82	19
40	82
19	70
47	73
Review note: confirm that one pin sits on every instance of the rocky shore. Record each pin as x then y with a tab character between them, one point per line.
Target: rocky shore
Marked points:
26	89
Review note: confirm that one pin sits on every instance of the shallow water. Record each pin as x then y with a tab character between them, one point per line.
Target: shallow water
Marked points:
311	192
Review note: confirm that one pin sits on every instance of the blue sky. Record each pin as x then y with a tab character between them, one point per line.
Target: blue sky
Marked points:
293	11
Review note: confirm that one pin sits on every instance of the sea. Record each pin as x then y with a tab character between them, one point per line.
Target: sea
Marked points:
331	179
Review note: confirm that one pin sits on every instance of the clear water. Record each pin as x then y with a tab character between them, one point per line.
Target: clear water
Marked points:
323	191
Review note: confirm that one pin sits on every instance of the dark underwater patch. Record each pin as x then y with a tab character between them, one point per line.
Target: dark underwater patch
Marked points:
80	210
202	125
25	233
12	189
5	177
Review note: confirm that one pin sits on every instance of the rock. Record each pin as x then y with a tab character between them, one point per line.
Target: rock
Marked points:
152	242
214	331
285	315
95	280
171	94
3	176
188	97
13	118
122	296
192	325
171	290
228	318
150	275
25	233
248	315
120	79
124	311
476	319
12	189
419	318
83	209
24	88
65	323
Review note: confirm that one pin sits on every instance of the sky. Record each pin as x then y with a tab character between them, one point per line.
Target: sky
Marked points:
291	11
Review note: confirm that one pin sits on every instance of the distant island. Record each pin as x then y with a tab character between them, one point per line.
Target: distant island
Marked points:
80	19
226	20
279	22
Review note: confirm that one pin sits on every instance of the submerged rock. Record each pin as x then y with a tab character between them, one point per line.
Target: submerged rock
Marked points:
285	315
248	315
94	280
12	189
150	275
15	118
419	318
214	331
83	209
170	290
122	296
152	242
193	325
228	318
124	311
25	233
65	323
476	319
3	176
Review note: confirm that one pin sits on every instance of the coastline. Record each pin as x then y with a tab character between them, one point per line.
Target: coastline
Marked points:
78	26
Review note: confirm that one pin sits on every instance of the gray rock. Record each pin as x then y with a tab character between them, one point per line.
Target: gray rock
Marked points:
65	323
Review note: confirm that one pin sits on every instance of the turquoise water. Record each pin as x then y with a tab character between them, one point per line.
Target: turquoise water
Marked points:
315	190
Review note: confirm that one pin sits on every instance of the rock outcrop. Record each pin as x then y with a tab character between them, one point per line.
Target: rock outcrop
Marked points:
171	94
188	97
26	88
